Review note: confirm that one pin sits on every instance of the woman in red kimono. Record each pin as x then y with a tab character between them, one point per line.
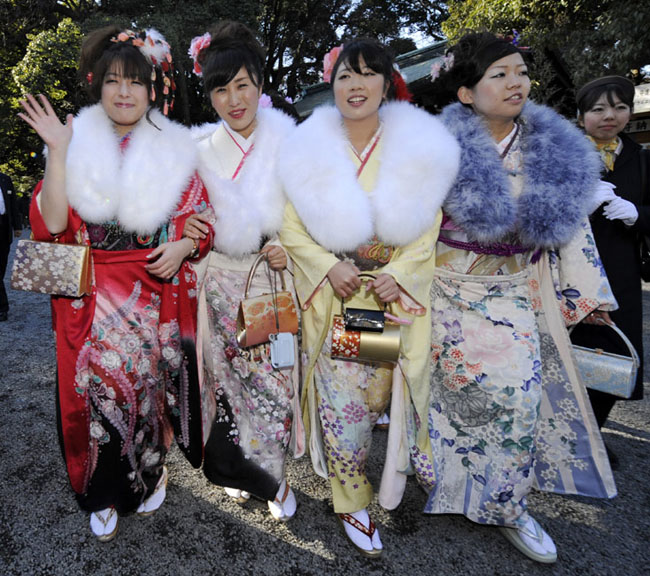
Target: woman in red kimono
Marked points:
121	178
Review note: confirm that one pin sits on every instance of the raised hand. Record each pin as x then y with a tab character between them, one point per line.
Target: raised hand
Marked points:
42	118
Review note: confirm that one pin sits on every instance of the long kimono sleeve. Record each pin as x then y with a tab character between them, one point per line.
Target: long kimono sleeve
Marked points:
413	266
311	261
178	313
580	280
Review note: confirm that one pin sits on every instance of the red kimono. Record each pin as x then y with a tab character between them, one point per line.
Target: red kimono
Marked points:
126	355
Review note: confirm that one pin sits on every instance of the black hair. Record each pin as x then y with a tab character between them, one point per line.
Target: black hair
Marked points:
232	46
99	55
376	56
589	99
471	56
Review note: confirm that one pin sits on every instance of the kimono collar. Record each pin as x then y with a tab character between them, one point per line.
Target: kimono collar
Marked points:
242	143
418	164
561	170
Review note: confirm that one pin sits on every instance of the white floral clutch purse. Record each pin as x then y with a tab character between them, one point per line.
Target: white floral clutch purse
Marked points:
52	268
608	372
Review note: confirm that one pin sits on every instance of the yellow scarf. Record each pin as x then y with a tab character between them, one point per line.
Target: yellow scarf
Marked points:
607	151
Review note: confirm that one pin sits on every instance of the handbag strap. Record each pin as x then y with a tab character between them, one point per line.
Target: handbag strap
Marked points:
633	353
251	274
272	278
365	277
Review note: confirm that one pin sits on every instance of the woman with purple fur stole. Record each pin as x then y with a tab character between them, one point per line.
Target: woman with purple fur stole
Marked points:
515	264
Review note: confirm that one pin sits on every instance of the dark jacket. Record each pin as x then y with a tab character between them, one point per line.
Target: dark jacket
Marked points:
619	248
10	220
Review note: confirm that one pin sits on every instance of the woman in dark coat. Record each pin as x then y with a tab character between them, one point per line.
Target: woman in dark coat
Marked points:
618	224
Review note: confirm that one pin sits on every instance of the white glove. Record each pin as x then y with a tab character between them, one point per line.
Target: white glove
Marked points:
604	192
619	209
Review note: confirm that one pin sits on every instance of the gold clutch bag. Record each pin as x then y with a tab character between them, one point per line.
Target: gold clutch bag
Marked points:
52	268
361	334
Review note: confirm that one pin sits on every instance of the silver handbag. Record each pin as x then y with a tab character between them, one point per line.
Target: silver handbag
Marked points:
607	372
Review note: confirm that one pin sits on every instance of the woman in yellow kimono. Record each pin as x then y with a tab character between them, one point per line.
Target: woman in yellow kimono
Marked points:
371	204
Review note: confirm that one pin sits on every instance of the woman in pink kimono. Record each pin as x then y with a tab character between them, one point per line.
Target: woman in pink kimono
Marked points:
248	427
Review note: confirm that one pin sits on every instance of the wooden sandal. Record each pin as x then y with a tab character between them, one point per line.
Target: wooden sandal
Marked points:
276	506
369	531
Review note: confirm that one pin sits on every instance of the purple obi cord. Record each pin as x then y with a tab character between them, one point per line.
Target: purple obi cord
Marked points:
496	249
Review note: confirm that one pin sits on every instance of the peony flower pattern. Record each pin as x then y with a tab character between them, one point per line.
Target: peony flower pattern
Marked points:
253	400
120	371
504	413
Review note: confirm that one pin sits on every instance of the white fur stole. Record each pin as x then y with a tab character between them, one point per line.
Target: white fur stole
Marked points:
418	164
251	207
141	186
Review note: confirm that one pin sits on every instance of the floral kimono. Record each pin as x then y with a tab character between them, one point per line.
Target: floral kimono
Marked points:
516	263
126	361
379	210
249	415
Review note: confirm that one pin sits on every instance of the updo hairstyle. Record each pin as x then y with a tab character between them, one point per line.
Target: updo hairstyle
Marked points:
468	61
99	55
232	46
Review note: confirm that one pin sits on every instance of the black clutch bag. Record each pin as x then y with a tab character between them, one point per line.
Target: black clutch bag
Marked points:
364	320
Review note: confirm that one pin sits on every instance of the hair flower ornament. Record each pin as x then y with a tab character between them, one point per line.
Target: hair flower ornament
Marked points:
265	101
328	63
401	88
198	44
156	50
445	63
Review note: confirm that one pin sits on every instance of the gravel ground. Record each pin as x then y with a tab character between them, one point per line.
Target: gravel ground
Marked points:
199	530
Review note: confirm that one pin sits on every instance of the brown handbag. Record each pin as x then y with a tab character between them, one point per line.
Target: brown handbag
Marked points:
260	316
52	268
362	334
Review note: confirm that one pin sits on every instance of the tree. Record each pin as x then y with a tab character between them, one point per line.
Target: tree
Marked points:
48	67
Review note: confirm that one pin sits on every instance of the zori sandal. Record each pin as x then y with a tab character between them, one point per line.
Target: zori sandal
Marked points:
365	538
532	541
103	524
151	504
239	496
283	507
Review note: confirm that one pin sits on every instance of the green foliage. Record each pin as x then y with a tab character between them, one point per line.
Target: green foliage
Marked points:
50	65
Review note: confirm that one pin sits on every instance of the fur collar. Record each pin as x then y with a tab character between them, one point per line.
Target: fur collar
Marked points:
561	170
252	206
418	164
139	187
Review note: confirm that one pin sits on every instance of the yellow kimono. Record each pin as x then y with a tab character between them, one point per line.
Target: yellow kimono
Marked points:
341	399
